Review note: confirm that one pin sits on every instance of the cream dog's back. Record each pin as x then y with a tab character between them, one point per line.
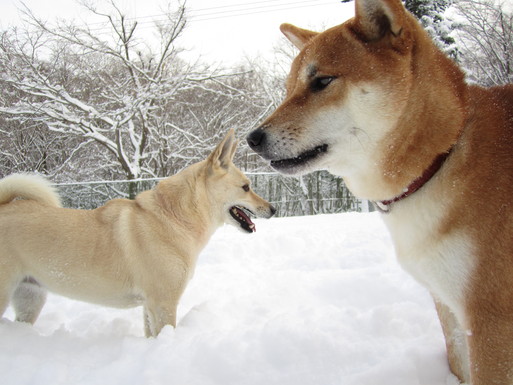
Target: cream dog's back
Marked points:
67	250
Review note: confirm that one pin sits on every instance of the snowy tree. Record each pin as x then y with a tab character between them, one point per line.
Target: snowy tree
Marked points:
30	146
112	91
241	100
486	40
75	82
137	111
84	103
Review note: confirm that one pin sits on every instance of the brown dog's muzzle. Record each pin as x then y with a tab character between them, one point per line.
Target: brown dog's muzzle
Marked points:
257	140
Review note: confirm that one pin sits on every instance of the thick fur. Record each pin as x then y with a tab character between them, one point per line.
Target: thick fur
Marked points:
124	254
379	102
26	186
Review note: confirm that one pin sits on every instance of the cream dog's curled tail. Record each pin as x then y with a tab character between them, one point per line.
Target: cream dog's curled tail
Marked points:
28	186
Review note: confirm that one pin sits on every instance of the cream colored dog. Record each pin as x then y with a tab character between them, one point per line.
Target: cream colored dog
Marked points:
126	253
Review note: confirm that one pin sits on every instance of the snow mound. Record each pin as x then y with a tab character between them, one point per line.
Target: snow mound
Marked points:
308	300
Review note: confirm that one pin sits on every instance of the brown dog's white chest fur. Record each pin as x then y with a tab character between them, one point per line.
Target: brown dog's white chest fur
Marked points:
443	263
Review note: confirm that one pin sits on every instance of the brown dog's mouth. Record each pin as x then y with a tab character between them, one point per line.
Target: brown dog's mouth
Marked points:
303	158
241	215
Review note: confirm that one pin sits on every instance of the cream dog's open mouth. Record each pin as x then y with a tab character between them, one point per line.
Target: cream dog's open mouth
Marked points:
242	215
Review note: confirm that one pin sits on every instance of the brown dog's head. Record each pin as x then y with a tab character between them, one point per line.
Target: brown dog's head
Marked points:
350	103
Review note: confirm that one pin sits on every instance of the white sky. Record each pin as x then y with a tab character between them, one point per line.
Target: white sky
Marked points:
220	31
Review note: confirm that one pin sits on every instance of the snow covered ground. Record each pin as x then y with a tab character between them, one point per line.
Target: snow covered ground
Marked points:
308	300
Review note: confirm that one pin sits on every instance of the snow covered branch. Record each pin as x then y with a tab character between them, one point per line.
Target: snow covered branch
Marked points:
127	108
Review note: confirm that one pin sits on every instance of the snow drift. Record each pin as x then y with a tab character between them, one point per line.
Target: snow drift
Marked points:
305	300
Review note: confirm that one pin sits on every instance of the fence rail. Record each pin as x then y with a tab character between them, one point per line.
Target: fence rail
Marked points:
316	193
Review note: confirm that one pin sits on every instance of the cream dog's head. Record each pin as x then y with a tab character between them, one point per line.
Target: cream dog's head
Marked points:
230	190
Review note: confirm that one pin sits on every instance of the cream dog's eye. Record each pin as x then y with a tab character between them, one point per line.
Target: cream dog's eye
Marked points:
245	187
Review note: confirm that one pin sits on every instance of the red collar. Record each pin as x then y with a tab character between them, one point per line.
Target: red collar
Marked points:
385	206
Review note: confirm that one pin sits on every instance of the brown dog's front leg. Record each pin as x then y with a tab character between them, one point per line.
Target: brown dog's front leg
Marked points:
491	349
455	341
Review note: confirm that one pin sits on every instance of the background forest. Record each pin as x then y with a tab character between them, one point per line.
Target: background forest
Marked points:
91	109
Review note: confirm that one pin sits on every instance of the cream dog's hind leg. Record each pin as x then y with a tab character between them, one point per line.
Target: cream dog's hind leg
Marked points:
28	299
8	284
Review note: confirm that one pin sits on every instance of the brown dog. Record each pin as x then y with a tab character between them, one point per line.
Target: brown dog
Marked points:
374	101
126	253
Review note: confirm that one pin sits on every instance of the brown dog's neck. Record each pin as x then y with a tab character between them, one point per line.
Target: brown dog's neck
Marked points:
426	132
386	205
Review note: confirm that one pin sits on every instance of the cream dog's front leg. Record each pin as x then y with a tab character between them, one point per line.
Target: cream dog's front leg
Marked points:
156	317
162	299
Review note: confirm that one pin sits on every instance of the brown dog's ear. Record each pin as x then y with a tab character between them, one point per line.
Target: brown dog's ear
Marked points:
222	155
297	36
375	18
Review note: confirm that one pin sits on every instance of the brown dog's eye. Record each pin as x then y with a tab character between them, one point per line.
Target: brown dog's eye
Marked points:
320	83
245	187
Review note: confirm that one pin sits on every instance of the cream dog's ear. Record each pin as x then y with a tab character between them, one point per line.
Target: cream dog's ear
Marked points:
234	148
223	154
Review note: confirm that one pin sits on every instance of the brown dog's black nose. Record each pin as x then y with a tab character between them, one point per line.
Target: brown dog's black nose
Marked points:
256	139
